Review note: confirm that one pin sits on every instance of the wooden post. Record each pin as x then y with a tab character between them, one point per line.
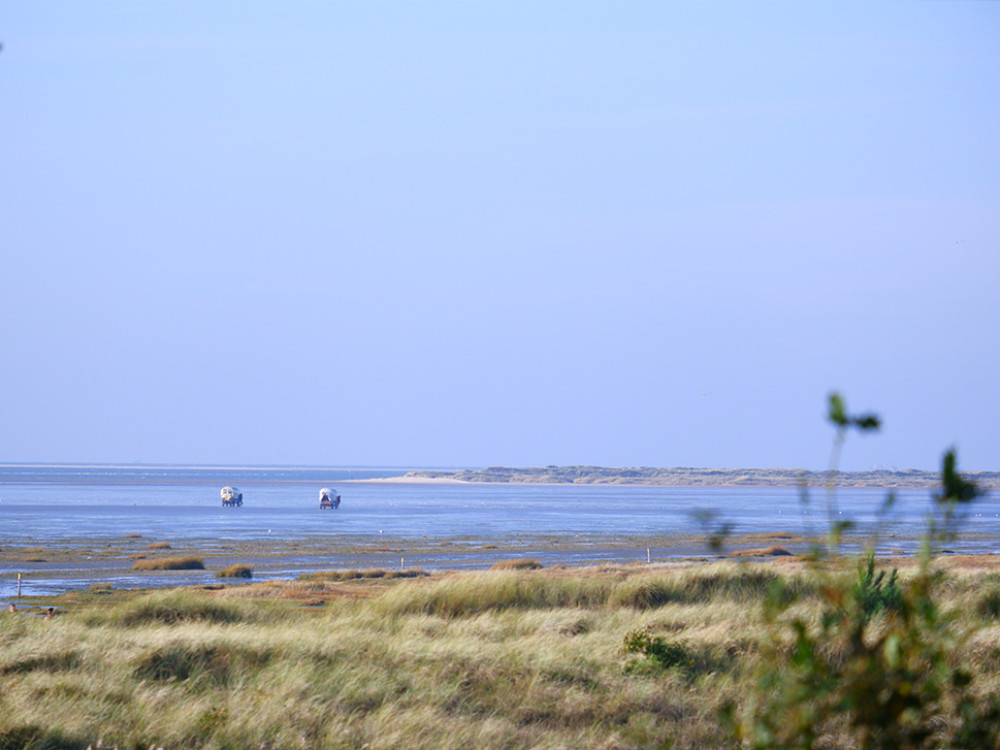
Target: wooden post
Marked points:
18	585
647	555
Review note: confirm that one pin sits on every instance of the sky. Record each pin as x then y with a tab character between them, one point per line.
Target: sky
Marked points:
438	233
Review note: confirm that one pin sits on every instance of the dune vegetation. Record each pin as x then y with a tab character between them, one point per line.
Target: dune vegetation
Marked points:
624	657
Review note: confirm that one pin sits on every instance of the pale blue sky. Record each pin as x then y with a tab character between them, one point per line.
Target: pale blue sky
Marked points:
476	233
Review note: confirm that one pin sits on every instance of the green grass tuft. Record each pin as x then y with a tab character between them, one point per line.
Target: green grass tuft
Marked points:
520	563
214	665
170	563
239	570
180	606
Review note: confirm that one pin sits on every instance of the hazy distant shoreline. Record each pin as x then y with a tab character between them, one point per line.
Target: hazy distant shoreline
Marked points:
689	477
547	475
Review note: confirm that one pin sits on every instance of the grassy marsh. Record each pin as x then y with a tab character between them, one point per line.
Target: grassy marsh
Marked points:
238	570
178	562
507	659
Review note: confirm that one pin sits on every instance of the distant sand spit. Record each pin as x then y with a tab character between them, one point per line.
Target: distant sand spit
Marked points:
406	480
692	477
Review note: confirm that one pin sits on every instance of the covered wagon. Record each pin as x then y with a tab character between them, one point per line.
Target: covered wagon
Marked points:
231	497
328	499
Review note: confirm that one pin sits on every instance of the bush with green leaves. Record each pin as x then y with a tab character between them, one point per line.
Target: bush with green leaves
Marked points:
854	679
653	649
882	666
873	592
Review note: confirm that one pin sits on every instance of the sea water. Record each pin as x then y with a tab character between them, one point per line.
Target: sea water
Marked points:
61	508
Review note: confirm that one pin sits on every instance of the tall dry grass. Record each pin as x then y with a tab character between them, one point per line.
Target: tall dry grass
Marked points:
179	562
497	659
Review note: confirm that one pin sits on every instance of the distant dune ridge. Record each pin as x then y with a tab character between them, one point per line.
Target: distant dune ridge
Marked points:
689	477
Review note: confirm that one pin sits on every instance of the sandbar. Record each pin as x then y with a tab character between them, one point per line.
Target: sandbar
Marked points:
405	479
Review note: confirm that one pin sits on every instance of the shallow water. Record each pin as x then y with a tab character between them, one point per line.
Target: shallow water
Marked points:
60	511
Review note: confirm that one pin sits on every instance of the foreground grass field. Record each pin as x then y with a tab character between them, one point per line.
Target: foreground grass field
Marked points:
499	659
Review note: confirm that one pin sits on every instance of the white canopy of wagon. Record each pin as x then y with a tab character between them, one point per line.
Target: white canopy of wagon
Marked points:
329	498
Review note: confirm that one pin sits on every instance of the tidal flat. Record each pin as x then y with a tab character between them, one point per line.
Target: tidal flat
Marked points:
74	564
61	532
129	560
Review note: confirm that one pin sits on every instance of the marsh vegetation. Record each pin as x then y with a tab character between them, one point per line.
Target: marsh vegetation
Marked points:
177	562
514	658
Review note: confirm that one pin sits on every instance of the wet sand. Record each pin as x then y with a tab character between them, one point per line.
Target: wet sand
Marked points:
50	572
81	562
85	564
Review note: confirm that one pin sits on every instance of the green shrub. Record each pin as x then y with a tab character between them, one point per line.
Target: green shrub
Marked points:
872	592
894	682
854	679
690	660
654	648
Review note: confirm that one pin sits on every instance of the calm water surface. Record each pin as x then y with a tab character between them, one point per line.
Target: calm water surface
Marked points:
62	511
